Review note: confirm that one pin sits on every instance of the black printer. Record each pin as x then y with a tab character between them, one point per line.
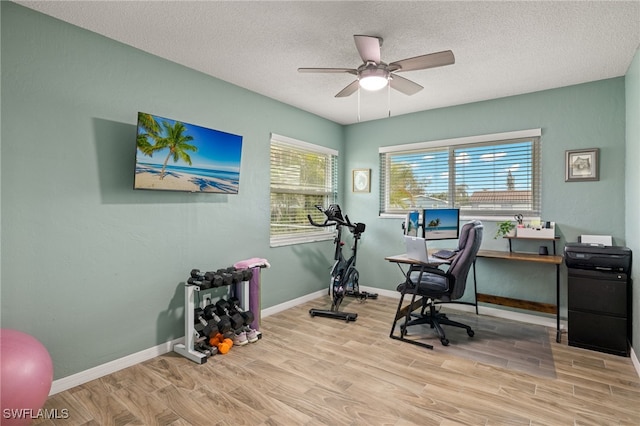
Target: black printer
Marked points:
597	257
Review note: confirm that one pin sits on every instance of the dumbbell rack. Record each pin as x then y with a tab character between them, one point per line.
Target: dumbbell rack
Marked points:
190	333
240	290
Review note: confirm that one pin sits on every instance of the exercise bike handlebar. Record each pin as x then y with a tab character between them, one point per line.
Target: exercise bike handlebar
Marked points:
326	222
332	219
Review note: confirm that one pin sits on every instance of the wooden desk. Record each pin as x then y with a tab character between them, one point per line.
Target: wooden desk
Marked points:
527	257
548	308
406	260
523	304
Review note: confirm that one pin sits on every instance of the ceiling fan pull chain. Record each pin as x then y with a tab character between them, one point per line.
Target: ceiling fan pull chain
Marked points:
389	100
358	105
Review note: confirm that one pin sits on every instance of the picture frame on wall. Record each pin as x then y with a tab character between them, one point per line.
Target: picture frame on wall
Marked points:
582	165
361	180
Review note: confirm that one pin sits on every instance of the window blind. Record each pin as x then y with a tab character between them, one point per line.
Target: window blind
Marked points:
491	176
302	175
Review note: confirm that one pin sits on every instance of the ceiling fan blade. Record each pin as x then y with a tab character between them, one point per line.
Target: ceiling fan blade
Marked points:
349	90
405	86
430	60
368	47
329	70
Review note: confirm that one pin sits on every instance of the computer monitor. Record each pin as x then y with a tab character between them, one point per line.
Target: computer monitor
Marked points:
441	224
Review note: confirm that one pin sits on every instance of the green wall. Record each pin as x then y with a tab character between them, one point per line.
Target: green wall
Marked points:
632	195
95	270
91	267
582	116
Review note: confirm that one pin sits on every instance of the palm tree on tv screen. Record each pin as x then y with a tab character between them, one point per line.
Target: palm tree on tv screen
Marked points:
176	142
152	130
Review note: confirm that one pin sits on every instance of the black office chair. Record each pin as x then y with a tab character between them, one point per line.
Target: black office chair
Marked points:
436	286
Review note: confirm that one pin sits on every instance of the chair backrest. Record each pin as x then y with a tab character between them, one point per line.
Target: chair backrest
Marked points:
469	244
464	234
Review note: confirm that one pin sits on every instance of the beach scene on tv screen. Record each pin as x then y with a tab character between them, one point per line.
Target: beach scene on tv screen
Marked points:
177	156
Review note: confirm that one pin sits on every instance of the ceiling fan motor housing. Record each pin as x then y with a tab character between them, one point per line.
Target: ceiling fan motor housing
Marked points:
373	76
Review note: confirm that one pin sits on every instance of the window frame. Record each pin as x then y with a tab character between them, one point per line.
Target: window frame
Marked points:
453	145
330	192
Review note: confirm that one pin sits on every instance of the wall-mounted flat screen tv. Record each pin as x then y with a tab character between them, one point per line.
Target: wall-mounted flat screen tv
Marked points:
172	155
441	224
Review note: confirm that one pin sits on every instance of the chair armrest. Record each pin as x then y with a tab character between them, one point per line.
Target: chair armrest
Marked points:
427	269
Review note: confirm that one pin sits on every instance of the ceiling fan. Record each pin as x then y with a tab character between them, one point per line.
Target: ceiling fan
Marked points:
374	74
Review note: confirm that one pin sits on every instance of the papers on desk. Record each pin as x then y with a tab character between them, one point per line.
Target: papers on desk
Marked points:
604	240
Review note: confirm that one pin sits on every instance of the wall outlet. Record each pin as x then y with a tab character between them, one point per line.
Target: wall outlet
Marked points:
205	299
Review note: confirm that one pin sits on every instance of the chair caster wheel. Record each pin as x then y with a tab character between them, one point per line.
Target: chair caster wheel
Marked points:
445	342
470	333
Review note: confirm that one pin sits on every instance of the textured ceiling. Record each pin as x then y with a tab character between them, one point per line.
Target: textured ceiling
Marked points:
501	48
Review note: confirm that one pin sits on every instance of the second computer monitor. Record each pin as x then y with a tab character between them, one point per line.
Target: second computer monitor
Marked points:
441	224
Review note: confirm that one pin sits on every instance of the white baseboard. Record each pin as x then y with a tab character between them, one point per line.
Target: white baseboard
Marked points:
292	303
111	367
144	355
634	360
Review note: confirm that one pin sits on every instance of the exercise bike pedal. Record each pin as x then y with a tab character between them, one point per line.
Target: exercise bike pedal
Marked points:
368	295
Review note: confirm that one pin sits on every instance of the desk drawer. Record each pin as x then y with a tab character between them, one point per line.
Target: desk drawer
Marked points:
598	292
598	332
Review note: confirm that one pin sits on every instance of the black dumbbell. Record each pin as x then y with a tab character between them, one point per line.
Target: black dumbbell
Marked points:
237	275
211	279
205	348
202	283
217	281
202	279
235	307
222	308
195	273
227	278
208	330
247	274
222	322
214	278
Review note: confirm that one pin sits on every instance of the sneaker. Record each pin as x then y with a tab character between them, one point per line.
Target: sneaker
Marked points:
252	335
240	339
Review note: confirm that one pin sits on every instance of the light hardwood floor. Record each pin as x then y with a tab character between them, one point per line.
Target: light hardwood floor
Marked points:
321	371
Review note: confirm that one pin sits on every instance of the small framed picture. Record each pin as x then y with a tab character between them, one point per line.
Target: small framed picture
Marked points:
362	180
581	165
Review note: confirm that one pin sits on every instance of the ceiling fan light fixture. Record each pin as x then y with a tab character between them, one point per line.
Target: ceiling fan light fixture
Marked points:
373	79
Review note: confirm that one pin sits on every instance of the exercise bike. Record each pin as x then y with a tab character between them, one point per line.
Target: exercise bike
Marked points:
344	275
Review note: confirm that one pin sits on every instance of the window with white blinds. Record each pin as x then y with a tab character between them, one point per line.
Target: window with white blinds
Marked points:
489	175
303	175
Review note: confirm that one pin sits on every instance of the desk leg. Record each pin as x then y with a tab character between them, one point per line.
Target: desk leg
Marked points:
475	286
558	339
406	314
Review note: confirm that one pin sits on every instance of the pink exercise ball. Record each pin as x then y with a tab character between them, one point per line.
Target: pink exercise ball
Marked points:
27	374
